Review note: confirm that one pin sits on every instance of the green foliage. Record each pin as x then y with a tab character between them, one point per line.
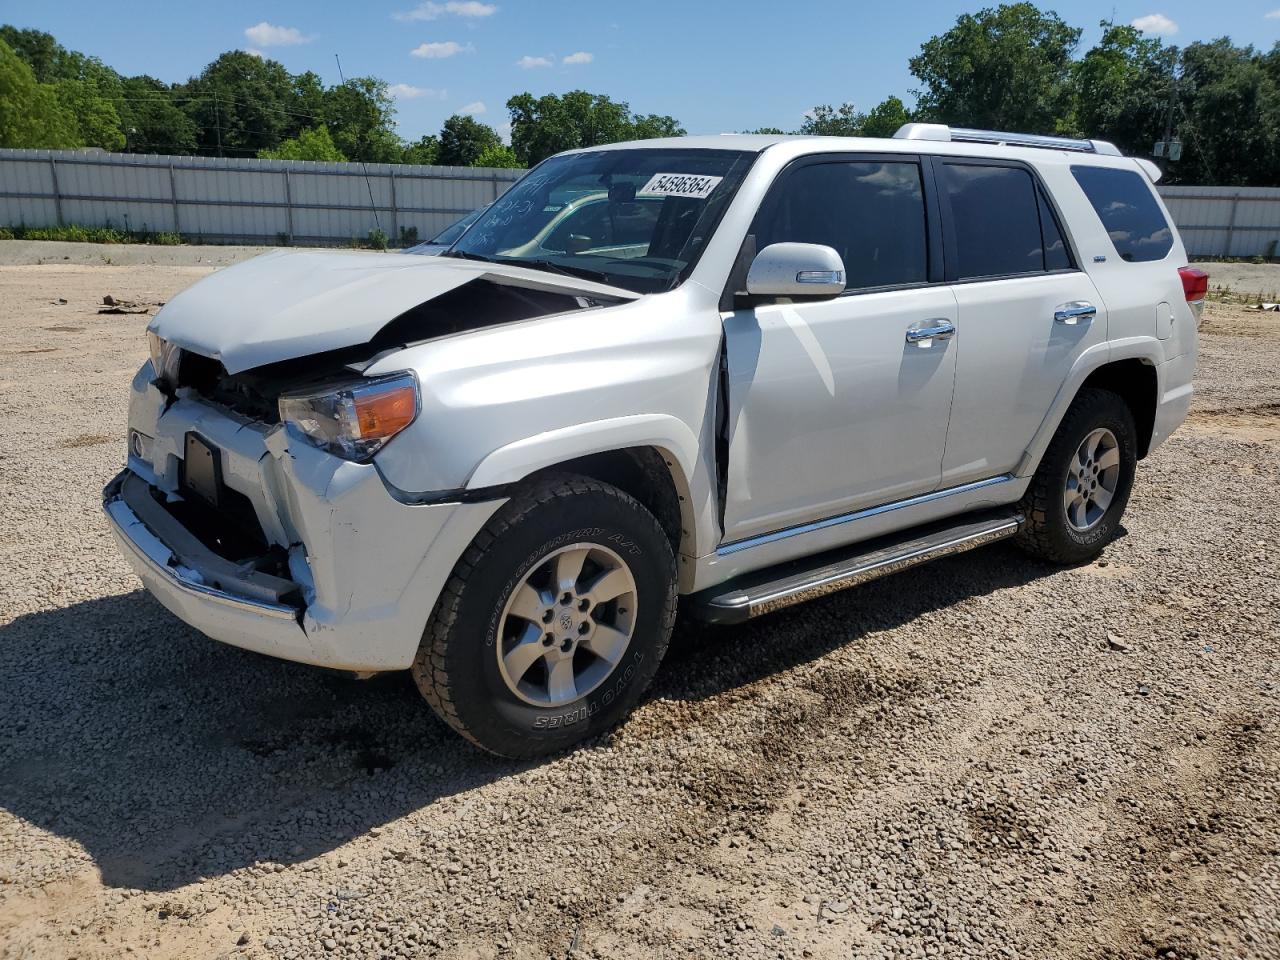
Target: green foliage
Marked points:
1122	89
314	143
463	139
151	121
30	112
240	104
378	238
845	121
1007	68
362	116
81	234
767	131
546	125
95	116
498	155
885	118
408	236
424	150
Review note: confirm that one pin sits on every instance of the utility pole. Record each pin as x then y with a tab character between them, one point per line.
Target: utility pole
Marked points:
217	122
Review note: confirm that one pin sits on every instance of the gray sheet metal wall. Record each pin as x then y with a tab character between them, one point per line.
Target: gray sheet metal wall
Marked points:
238	200
1226	221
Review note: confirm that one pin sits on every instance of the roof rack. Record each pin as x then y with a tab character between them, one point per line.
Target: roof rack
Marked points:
942	132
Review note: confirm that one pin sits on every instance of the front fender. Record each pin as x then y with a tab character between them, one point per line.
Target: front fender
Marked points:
519	459
1148	349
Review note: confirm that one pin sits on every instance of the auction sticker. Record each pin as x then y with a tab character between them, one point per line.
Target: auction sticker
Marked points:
679	185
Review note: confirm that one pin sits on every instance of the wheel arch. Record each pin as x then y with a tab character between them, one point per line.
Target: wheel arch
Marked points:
650	457
1127	369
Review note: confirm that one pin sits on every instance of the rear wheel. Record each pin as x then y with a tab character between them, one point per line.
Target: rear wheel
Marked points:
1079	492
554	621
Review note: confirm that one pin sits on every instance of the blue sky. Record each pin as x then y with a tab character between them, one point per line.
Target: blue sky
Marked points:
715	66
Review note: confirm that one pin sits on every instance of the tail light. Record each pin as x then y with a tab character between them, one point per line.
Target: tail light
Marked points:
1195	283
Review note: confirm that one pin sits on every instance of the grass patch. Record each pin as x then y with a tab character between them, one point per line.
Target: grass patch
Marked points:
75	233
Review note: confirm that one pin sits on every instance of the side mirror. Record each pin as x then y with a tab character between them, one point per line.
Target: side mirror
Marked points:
802	270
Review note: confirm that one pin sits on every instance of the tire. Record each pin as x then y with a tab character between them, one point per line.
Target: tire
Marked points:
1064	535
468	652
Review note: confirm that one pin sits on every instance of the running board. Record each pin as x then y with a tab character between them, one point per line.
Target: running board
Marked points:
764	591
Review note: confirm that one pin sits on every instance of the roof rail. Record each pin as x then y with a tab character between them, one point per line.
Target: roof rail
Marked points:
942	132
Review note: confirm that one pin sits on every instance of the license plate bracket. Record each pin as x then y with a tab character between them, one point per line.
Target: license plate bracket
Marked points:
202	469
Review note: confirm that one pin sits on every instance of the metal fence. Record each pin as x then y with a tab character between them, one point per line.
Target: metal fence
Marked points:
1226	221
239	200
297	201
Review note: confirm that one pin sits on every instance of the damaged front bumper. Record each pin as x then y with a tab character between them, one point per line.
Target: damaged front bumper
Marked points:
355	572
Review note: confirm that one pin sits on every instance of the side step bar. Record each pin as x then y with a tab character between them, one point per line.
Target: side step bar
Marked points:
767	590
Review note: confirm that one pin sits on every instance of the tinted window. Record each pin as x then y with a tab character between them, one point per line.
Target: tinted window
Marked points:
607	223
996	213
1056	254
1129	213
872	214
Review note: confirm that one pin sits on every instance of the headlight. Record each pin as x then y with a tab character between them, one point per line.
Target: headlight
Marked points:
354	420
165	359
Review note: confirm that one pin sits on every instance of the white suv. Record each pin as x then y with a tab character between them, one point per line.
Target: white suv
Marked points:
762	369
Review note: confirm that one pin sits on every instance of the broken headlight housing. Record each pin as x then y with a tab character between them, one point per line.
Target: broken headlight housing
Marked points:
165	359
354	420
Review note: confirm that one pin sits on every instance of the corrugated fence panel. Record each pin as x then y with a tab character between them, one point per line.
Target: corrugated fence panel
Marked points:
239	200
1226	221
273	201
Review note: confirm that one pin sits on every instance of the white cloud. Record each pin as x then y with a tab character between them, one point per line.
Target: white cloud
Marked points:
440	50
504	131
580	57
529	63
269	35
473	109
405	91
1273	15
458	8
1156	23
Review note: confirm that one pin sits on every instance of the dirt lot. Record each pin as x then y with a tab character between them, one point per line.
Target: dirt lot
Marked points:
983	757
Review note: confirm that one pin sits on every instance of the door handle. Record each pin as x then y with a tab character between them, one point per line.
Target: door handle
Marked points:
1077	311
926	331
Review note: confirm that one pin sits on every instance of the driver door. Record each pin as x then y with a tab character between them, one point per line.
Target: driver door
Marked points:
833	405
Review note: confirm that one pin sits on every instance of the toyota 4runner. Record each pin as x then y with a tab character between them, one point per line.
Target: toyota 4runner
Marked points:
741	370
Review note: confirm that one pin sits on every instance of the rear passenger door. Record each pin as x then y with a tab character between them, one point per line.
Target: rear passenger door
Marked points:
1023	311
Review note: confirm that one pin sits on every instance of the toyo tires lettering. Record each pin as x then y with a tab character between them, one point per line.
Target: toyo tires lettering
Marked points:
590	709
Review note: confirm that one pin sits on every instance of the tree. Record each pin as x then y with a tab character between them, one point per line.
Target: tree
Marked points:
546	125
463	139
884	119
151	121
1230	103
30	114
1122	89
825	121
95	116
362	117
314	143
240	104
425	150
498	156
1007	68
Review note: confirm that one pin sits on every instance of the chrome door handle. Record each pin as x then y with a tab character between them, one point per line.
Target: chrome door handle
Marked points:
1077	311
926	331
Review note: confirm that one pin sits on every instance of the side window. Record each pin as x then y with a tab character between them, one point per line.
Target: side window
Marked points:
871	213
996	212
1129	213
1056	254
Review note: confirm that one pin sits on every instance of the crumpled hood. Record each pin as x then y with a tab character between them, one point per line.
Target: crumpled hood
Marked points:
291	303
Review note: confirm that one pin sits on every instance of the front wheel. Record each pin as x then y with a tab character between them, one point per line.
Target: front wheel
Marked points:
554	621
1079	492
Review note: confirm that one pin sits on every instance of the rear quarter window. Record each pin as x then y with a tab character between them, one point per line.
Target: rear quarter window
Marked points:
1129	213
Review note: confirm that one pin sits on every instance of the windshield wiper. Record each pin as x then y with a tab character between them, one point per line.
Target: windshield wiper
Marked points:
550	265
464	255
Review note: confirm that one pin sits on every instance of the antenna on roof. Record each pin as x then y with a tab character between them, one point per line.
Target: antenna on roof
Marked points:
373	206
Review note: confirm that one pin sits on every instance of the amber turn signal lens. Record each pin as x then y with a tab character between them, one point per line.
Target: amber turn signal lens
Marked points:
384	413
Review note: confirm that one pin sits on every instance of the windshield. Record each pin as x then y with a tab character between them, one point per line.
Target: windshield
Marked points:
637	219
451	233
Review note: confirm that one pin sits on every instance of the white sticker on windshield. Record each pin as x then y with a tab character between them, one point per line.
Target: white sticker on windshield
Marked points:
679	185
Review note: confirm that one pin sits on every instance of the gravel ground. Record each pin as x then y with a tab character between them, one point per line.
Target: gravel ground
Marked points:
985	757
